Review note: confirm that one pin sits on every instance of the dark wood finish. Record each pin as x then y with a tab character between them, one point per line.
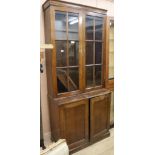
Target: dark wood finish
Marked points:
63	8
110	84
75	98
64	112
74	123
54	119
81	116
50	38
48	52
81	54
60	3
99	117
68	112
53	57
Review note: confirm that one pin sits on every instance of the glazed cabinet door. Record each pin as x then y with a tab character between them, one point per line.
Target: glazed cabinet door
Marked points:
74	123
99	117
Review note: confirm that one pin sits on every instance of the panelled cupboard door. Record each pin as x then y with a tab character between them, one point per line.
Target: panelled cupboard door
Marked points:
74	123
99	117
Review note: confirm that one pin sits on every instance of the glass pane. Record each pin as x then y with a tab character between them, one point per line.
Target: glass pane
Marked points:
89	52
73	78
98	52
62	80
98	28
111	50
89	76
73	53
60	25
98	75
61	53
73	36
89	28
60	35
73	21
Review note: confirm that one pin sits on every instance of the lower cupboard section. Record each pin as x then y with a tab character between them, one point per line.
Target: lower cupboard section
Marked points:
85	121
99	117
74	123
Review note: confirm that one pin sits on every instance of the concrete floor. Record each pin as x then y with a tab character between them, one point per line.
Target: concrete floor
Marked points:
103	147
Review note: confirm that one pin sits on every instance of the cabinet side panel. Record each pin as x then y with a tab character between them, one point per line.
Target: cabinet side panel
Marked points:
48	52
54	118
112	110
47	21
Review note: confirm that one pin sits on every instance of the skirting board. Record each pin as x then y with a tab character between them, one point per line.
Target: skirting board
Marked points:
58	148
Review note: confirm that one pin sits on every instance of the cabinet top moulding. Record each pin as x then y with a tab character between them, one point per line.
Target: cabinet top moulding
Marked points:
60	3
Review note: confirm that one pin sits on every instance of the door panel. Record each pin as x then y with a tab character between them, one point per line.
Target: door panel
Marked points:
74	123
99	116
